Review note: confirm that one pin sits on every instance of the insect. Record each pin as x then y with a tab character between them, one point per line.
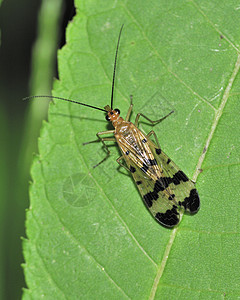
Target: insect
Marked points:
165	189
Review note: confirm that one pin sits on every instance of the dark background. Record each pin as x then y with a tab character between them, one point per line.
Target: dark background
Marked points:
18	25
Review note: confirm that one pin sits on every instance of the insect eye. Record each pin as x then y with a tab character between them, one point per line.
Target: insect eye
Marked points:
117	110
107	118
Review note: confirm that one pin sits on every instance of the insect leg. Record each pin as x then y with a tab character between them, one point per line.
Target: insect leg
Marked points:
155	137
159	147
104	145
99	139
153	122
122	165
103	139
129	110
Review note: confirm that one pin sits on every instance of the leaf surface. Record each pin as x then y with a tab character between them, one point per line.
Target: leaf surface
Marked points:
89	234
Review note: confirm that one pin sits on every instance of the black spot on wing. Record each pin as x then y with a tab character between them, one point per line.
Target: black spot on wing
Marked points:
171	197
168	161
178	177
149	197
152	162
127	152
160	185
170	218
191	203
158	150
164	182
132	169
138	182
144	140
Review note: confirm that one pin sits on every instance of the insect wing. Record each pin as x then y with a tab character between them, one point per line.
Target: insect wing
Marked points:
149	176
163	186
182	189
157	200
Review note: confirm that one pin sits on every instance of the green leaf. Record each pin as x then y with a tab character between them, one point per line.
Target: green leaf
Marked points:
3	194
89	234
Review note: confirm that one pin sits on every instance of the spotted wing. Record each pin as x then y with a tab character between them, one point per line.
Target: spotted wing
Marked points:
163	186
157	199
181	188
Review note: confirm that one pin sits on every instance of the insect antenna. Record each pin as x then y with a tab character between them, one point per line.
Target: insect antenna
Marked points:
64	99
114	68
80	103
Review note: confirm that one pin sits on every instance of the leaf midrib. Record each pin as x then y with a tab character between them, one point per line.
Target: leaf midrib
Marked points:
216	120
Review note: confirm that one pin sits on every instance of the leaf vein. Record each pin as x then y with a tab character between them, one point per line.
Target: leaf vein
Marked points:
113	207
214	26
166	65
75	241
217	117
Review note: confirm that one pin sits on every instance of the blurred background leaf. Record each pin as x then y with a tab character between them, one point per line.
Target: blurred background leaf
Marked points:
23	25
